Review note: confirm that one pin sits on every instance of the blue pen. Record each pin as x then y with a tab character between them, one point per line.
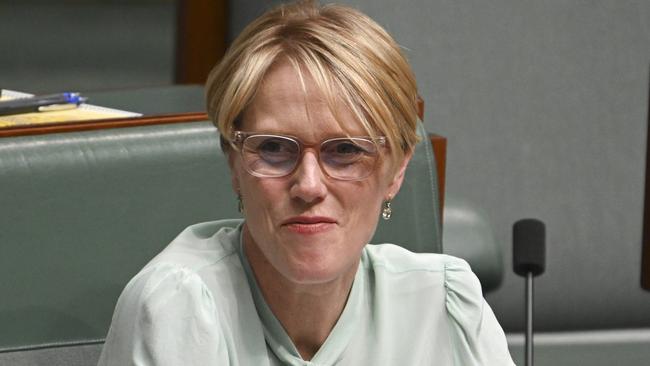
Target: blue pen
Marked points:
44	103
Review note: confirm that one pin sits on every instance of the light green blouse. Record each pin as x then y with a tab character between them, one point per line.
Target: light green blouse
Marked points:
197	303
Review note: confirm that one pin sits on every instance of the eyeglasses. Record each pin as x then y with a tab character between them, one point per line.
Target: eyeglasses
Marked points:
274	156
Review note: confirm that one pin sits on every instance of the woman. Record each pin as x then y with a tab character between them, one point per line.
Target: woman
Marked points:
316	107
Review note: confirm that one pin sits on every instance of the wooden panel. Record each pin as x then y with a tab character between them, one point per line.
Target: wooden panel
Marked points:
200	38
439	144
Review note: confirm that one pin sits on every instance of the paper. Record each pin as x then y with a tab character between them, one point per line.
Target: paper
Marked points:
85	112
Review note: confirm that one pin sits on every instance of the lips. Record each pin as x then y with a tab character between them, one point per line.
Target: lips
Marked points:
309	224
309	220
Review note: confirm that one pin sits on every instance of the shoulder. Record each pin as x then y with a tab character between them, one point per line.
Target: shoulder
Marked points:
172	282
450	290
201	244
394	258
457	285
172	295
158	304
168	297
176	271
448	279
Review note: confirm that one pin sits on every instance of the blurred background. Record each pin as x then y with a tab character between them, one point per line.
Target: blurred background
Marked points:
51	46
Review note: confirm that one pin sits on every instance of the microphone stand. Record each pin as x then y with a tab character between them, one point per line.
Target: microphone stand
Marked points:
528	261
529	319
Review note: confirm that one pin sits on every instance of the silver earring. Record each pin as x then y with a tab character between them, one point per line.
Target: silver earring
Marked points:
386	212
240	204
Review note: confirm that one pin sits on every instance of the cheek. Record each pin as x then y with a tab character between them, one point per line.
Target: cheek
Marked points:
260	196
366	201
363	206
251	188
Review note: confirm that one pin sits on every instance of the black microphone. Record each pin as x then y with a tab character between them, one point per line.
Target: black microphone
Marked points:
528	247
529	260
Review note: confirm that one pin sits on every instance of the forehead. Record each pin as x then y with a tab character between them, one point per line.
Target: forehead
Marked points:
289	101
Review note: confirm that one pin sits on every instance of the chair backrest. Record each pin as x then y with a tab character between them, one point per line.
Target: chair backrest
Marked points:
82	212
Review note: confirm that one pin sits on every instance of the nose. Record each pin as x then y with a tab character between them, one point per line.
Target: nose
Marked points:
308	181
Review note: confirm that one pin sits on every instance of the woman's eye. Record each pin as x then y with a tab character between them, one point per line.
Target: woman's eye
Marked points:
347	148
277	150
345	152
271	146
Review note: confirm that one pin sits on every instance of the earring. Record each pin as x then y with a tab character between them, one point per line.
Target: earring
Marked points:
386	212
240	204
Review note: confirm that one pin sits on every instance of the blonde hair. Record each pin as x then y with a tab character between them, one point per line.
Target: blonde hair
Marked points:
349	56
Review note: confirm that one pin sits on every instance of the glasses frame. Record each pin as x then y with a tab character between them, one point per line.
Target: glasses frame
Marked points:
239	137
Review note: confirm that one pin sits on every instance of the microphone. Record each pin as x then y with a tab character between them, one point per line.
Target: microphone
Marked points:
529	260
528	247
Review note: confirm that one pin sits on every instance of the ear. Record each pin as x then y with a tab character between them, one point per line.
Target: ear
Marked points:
398	177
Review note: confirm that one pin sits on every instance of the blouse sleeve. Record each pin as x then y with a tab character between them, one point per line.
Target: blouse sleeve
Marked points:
165	316
477	336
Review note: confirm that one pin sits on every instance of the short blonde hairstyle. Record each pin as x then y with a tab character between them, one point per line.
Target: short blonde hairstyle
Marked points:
349	56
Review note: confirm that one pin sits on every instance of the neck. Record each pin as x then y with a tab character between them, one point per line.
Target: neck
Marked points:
307	312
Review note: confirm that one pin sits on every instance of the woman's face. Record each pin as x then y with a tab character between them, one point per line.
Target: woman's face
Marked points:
306	226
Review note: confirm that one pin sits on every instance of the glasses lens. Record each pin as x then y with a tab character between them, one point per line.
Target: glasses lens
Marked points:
349	158
270	156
